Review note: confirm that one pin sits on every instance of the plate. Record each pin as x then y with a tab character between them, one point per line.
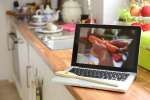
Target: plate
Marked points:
126	40
36	27
37	23
44	30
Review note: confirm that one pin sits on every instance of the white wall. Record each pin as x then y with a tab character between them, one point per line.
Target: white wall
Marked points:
97	7
5	55
111	10
105	11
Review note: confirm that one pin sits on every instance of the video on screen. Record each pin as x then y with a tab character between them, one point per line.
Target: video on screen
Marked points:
105	46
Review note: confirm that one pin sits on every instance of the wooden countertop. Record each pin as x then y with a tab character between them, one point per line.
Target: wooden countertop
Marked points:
60	59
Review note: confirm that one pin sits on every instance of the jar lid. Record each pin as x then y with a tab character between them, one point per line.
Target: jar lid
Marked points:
71	4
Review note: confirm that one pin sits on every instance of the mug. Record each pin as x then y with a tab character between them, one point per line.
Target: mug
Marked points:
38	17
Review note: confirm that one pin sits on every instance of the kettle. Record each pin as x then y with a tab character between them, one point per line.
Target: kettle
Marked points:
71	11
50	14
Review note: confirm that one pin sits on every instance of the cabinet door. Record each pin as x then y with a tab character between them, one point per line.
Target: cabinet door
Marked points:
25	68
23	63
51	91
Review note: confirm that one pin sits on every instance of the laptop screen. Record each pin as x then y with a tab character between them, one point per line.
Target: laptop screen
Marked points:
106	47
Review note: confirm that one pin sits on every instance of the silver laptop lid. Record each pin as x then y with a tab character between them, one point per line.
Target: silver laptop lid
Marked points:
108	47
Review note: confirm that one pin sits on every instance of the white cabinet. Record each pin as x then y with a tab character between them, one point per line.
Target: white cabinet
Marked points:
51	91
31	67
22	70
22	64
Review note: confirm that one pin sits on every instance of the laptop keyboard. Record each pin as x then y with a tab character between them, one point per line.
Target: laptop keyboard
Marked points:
119	76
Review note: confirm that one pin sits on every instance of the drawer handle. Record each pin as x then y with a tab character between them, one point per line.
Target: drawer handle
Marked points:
27	73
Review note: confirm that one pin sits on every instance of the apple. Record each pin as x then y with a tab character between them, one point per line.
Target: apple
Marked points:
145	11
146	27
135	10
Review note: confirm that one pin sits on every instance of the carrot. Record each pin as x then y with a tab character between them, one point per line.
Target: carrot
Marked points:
94	39
111	48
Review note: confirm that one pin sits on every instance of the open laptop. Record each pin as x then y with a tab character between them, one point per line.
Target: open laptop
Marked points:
104	57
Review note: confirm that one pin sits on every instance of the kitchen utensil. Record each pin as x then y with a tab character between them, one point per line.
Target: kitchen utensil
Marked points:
38	17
